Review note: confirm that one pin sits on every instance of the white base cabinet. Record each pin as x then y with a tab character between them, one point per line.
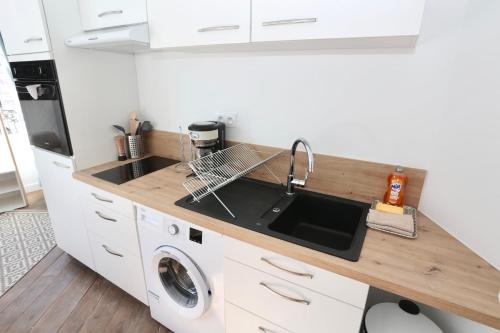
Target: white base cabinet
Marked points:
114	240
290	306
281	294
119	265
63	203
241	321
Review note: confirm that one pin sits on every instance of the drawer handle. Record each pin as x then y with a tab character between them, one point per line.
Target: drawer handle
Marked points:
290	21
104	217
296	300
219	28
110	12
98	197
308	275
33	39
61	165
266	330
111	251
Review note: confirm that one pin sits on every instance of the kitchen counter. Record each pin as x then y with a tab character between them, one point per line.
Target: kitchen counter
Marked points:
435	269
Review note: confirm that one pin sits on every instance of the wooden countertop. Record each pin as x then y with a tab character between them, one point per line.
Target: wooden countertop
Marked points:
435	269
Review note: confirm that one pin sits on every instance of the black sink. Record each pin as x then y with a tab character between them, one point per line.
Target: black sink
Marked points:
324	223
319	219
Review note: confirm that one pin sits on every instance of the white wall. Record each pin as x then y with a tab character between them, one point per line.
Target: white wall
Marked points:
433	107
463	190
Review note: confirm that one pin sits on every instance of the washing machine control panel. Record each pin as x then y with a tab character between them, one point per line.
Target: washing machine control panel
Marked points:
173	229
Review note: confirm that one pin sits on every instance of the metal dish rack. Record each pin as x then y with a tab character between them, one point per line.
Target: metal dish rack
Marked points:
223	167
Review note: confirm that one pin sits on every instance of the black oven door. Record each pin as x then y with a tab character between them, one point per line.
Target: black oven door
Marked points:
44	115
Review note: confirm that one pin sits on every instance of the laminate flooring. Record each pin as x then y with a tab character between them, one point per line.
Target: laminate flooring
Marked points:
62	295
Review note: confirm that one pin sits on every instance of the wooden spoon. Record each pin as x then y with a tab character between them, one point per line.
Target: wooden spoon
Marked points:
133	123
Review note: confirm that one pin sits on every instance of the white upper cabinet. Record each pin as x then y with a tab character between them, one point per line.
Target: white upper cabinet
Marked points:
191	22
98	14
274	20
23	27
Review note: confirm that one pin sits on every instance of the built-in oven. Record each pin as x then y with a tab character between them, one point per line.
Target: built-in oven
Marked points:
41	103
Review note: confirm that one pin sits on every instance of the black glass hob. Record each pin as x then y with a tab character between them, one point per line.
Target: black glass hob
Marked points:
135	169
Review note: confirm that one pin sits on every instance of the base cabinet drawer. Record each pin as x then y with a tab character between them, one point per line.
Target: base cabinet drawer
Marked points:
241	321
119	266
314	278
108	224
288	305
109	200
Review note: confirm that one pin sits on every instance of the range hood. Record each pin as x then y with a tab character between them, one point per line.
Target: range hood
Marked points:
126	39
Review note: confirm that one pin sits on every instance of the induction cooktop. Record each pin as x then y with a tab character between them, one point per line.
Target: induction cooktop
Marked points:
135	169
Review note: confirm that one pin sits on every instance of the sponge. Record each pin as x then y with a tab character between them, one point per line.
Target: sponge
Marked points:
389	208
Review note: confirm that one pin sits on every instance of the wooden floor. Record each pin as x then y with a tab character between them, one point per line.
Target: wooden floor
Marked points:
35	201
62	295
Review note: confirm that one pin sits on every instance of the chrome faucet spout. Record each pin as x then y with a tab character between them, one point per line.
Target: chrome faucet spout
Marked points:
292	181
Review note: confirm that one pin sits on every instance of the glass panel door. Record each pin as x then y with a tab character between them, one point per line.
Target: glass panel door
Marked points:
177	282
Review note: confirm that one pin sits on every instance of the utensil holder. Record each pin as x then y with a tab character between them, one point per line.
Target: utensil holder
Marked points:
135	146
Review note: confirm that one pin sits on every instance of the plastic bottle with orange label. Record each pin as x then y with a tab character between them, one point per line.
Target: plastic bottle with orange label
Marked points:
396	185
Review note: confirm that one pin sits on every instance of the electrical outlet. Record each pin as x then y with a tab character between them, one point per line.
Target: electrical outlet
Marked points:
228	118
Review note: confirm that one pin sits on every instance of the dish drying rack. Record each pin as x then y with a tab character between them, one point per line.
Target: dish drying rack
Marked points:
223	167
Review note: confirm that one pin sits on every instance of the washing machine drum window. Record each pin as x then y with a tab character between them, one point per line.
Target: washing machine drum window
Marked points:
187	291
177	282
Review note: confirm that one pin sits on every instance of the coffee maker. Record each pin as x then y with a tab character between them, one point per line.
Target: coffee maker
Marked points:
207	137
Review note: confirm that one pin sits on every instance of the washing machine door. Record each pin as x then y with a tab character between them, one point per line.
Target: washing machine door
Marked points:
187	291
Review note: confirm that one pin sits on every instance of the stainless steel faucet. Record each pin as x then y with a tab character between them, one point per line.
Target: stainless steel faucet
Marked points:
292	181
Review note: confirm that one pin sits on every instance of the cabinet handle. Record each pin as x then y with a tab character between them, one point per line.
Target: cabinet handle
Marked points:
296	300
104	217
110	12
219	28
33	39
266	330
111	251
290	21
61	165
98	197
308	275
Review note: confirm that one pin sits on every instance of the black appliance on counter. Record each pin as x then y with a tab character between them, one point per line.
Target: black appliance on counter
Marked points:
41	103
135	169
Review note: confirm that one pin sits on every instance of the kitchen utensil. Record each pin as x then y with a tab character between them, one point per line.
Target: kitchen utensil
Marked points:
120	147
147	126
121	129
216	170
135	146
133	122
138	131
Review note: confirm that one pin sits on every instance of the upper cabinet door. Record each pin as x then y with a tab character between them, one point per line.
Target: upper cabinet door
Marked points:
191	22
274	20
98	14
23	27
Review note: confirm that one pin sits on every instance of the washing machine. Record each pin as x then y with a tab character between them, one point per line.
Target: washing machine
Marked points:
183	268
